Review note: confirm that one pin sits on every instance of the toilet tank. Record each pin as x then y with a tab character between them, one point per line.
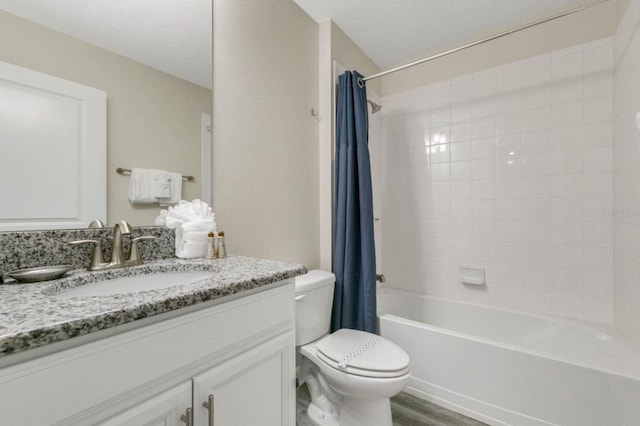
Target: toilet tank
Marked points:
314	300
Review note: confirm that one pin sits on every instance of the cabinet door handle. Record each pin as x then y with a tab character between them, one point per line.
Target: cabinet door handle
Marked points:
209	406
187	417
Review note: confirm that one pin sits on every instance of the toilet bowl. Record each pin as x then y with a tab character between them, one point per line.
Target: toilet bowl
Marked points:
350	374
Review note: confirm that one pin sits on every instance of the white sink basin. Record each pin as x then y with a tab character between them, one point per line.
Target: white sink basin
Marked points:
135	284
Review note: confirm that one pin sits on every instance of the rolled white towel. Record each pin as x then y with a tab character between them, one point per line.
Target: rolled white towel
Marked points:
191	238
186	211
161	219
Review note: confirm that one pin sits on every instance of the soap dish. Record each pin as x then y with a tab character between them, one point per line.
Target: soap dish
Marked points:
41	273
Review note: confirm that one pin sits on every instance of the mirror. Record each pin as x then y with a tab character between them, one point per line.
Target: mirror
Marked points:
156	80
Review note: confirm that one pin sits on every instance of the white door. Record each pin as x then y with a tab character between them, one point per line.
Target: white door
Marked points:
165	409
254	388
206	159
53	145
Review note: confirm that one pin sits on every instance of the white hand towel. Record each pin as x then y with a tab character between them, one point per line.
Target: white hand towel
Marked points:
161	185
141	186
175	194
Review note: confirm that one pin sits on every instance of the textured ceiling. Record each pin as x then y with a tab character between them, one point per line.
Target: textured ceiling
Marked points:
173	36
395	31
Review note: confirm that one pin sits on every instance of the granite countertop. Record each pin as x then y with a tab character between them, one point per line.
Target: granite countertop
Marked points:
32	315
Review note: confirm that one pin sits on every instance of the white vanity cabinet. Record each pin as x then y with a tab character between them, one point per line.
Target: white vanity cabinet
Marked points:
165	409
240	352
247	390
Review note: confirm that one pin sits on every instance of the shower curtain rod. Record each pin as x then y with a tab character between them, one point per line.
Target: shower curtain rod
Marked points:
361	81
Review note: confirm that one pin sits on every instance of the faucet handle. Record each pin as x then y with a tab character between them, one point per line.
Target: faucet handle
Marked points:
97	258
134	253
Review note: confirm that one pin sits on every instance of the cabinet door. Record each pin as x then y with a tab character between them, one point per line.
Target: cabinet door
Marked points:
161	410
255	388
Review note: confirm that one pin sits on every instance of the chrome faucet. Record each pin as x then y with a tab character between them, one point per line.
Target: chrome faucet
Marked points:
117	256
119	229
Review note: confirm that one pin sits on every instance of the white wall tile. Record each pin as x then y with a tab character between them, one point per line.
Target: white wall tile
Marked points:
461	210
595	85
484	231
509	78
508	210
484	189
536	97
598	109
537	187
566	114
461	151
536	142
567	186
484	251
509	123
536	300
484	210
598	159
597	309
484	168
536	71
598	284
512	169
566	91
509	253
567	138
538	118
598	184
598	59
461	89
566	305
461	132
509	232
509	187
484	84
484	148
566	66
598	134
461	190
598	234
461	170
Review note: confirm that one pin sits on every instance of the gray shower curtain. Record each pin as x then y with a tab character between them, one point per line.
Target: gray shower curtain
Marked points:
354	263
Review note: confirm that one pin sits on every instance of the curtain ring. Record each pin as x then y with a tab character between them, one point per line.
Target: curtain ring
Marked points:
361	82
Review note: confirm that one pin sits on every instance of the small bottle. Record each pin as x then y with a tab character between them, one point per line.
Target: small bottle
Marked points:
221	249
211	246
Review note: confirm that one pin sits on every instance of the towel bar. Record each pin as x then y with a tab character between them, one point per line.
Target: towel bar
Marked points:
123	171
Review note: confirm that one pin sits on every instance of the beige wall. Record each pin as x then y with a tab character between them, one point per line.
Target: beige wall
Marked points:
265	154
348	54
153	118
587	25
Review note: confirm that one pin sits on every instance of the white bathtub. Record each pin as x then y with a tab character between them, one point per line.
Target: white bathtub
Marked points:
512	368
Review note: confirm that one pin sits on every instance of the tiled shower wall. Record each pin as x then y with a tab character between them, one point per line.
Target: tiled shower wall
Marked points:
510	170
627	175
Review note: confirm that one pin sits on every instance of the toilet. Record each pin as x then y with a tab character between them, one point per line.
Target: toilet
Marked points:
350	374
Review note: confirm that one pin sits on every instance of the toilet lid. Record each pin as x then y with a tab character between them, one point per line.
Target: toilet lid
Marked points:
363	354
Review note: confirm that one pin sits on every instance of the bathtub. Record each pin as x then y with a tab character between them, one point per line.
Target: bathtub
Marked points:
506	367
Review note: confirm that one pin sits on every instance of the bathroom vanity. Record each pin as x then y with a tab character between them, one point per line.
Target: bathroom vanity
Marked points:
216	351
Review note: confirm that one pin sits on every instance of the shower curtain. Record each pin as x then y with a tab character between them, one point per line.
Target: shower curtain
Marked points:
354	263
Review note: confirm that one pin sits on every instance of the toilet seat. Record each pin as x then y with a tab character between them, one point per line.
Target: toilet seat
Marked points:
362	354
